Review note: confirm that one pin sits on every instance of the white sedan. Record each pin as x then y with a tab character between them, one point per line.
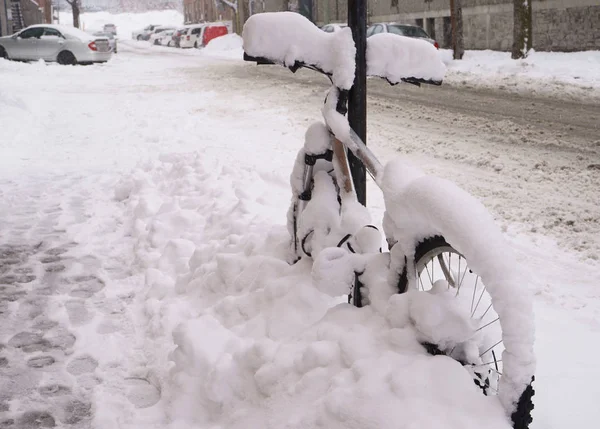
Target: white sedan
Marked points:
65	45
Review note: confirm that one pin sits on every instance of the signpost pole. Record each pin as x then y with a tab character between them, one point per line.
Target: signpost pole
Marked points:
357	102
357	108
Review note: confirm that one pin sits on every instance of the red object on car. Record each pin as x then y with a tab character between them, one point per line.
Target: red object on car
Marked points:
212	32
437	45
93	46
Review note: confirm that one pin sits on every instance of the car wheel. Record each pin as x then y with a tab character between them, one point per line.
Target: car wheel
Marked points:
140	38
196	45
3	53
156	42
66	58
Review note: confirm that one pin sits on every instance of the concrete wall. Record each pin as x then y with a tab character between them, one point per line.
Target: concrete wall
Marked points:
559	25
5	24
568	29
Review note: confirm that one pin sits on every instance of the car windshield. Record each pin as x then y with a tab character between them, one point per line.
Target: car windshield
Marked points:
408	31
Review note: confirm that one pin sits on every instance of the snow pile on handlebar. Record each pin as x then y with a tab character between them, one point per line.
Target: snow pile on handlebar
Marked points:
288	37
396	57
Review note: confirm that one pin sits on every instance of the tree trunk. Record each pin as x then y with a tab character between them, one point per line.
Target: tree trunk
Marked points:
76	15
458	43
76	12
522	30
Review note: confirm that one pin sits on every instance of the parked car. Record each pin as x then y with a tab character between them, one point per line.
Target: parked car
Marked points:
192	37
178	34
199	35
112	40
332	28
65	45
157	34
212	31
167	38
110	28
144	34
413	31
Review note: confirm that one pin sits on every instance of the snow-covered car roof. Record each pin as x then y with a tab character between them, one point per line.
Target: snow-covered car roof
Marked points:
66	30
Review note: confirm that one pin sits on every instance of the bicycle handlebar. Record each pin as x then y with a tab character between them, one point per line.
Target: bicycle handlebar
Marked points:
298	65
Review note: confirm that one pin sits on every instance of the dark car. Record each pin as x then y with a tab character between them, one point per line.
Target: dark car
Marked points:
407	30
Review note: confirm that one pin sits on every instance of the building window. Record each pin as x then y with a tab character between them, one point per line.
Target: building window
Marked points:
447	40
419	22
394	3
431	27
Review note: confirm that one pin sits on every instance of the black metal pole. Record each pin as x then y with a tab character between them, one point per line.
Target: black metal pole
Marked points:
357	102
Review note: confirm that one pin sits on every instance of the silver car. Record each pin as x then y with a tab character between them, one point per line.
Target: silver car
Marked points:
407	30
65	45
112	39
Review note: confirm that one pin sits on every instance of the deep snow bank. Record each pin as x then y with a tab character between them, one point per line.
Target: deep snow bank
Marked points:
228	46
126	22
242	339
554	73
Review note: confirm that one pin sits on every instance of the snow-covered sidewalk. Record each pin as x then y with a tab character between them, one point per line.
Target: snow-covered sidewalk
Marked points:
559	74
170	201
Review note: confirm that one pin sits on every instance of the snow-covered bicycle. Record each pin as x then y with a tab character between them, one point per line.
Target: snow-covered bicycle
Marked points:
440	239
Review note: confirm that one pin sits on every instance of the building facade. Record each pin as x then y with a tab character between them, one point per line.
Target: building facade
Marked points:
196	11
5	23
217	10
558	25
117	6
18	14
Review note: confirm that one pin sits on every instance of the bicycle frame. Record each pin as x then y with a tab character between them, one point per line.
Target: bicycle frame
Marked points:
410	197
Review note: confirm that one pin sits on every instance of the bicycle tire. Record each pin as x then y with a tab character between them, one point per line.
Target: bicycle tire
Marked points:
425	251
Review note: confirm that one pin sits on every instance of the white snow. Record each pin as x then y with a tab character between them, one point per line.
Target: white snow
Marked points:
126	23
547	73
424	206
396	57
288	37
227	46
170	175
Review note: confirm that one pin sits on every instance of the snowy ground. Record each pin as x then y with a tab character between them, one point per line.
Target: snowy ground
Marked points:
574	75
142	281
560	74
